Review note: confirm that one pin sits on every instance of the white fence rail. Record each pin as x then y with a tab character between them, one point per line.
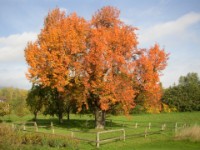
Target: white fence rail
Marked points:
98	140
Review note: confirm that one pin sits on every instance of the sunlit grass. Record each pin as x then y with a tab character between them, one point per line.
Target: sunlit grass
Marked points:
85	124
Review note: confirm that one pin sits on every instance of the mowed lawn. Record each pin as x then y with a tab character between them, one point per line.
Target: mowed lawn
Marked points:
135	126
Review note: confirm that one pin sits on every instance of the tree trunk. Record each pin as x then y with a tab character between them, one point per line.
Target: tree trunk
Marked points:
60	116
68	115
100	116
60	108
35	116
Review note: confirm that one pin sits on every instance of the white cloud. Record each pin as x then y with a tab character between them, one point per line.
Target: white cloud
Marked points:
12	75
12	61
12	47
181	40
171	28
177	69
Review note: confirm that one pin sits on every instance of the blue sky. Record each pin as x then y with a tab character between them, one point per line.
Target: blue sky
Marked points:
173	24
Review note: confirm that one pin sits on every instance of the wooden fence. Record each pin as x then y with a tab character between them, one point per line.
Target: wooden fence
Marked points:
147	130
98	140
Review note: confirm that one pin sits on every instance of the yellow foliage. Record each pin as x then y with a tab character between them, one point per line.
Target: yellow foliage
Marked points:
166	108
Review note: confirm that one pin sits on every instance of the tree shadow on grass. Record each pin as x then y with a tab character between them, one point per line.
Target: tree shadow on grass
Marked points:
75	124
6	120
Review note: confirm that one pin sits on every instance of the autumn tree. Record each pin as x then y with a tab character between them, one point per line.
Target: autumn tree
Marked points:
95	63
108	63
56	57
148	69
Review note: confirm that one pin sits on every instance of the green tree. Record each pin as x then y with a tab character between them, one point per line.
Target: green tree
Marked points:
54	104
186	95
59	104
35	99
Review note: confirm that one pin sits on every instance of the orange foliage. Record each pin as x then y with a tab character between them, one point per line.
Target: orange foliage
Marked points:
111	46
148	69
100	54
57	55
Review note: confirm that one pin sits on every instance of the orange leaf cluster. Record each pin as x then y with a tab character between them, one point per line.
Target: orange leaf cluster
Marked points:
57	55
148	69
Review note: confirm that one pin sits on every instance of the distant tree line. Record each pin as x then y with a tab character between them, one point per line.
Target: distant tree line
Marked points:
14	101
185	96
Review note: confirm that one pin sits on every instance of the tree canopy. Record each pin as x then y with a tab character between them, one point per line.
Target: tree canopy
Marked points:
98	60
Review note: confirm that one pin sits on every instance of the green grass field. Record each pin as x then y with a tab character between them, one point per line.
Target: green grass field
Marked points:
135	139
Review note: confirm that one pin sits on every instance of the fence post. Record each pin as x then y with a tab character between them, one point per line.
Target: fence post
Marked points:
36	128
149	125
97	140
13	126
145	133
24	127
124	135
136	124
72	134
86	123
52	128
176	127
164	126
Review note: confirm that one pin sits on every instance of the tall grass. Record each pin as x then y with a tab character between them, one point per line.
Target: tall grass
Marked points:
14	139
189	133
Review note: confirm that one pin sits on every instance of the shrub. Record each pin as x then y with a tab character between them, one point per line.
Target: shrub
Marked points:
30	138
138	109
4	108
13	139
167	109
8	138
